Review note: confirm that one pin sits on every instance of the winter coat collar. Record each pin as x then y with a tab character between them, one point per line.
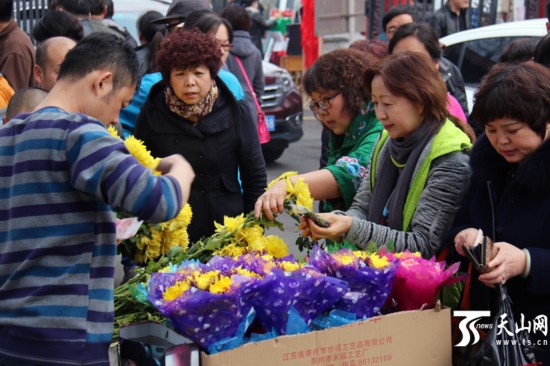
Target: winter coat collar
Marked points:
531	176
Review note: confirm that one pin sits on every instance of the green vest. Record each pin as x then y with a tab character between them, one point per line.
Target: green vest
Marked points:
448	139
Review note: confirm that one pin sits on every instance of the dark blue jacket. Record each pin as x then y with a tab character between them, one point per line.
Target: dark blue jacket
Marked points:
511	203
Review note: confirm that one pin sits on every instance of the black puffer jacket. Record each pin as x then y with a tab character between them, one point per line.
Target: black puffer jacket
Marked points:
220	145
446	22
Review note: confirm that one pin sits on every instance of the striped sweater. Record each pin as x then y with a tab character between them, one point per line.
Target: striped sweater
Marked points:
61	177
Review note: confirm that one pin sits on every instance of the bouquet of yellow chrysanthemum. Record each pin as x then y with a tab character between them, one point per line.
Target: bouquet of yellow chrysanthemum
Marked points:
370	278
153	240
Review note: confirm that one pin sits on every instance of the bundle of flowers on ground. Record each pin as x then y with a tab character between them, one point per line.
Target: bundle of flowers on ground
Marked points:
370	278
418	280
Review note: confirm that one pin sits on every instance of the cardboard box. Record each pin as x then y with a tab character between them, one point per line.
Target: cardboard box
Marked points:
409	338
154	344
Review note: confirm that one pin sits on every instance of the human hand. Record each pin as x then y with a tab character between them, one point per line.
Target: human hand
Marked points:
466	237
272	201
339	226
179	168
508	262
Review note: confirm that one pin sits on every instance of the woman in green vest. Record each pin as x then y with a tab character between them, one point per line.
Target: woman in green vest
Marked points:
419	169
338	99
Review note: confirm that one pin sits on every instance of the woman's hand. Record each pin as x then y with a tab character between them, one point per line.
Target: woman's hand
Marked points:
466	237
339	226
272	201
509	262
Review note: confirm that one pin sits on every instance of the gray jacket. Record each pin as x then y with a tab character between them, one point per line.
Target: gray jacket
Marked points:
447	183
250	56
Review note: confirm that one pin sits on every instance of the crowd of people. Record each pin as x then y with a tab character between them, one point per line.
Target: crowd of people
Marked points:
401	164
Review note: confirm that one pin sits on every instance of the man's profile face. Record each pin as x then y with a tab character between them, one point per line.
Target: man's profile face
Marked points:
110	102
397	22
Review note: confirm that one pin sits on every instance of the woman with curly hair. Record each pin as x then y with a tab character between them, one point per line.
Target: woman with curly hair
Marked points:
192	112
418	172
335	85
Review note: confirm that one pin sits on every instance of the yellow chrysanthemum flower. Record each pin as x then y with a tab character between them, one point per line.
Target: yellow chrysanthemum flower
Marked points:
378	262
221	286
289	266
345	259
282	176
230	223
254	237
176	291
303	197
245	272
112	131
203	281
276	247
231	250
140	152
361	254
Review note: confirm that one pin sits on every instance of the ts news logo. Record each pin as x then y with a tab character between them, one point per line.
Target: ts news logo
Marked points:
467	326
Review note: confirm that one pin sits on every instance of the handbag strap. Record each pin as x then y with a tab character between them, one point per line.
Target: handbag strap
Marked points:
248	83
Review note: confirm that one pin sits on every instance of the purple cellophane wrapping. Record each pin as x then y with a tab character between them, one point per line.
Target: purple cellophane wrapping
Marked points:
308	291
368	287
203	317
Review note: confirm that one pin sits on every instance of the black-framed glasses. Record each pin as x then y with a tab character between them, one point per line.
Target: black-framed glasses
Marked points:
323	104
226	46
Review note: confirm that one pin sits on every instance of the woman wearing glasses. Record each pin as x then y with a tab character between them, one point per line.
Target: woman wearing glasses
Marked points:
192	112
419	169
335	85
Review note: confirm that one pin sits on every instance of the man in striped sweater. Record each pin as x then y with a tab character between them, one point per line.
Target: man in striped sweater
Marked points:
62	176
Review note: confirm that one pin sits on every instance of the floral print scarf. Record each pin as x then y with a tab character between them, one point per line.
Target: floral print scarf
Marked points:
195	112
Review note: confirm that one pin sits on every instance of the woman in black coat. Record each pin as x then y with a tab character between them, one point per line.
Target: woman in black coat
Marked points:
192	113
509	196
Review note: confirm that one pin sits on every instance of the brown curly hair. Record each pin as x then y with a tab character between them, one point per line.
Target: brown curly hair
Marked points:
341	71
186	49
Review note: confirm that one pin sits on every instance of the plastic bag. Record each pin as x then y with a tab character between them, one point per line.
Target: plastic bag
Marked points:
502	345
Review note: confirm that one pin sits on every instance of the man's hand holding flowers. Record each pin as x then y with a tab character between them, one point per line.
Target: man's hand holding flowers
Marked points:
339	226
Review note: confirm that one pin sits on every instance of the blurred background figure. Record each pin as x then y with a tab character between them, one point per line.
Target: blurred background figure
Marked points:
519	50
49	56
259	24
57	23
24	101
104	10
422	38
178	12
17	50
451	18
150	35
396	17
248	54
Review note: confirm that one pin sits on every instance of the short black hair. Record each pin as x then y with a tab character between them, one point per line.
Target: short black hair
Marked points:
57	23
398	10
24	100
238	17
421	31
102	51
76	7
519	50
207	21
517	91
97	7
542	51
6	10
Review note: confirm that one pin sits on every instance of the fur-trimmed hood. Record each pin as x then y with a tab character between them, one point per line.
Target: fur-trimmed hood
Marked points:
532	176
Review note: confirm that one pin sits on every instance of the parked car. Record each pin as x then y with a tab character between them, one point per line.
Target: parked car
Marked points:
475	51
282	104
281	101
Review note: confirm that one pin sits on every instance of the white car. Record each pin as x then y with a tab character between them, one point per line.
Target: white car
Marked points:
475	51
